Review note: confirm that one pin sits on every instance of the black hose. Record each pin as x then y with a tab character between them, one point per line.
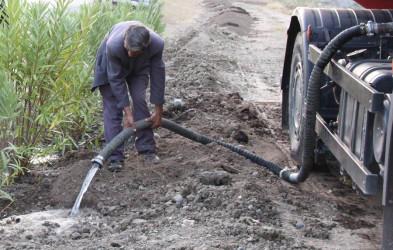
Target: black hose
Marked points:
127	133
206	140
312	99
118	140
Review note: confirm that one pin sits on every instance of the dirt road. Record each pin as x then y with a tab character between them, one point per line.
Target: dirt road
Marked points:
225	66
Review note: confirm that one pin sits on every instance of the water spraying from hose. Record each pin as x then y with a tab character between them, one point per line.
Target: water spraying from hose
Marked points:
85	185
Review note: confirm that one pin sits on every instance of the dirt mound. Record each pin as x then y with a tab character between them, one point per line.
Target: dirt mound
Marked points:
235	19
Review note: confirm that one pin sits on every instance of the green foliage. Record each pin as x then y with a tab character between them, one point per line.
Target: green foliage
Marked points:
109	15
49	61
47	57
150	15
10	108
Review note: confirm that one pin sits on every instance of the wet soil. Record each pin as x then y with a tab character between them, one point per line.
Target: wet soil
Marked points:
225	67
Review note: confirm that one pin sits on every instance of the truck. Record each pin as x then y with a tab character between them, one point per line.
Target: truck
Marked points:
337	99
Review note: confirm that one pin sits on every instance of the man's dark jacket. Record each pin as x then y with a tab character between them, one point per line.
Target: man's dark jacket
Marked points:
113	65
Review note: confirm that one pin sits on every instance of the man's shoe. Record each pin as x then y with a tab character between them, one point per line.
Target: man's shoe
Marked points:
115	166
150	156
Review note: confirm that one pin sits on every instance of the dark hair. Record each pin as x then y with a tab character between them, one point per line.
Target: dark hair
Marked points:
137	37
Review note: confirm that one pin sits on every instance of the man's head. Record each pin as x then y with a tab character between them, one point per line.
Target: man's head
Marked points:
136	39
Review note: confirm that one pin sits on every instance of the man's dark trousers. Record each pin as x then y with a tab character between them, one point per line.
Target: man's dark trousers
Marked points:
113	116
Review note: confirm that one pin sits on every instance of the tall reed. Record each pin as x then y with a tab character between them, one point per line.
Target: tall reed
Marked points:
47	59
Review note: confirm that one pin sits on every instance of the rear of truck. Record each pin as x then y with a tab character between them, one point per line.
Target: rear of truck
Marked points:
354	113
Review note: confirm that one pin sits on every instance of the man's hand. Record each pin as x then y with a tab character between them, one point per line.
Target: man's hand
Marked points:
129	119
156	118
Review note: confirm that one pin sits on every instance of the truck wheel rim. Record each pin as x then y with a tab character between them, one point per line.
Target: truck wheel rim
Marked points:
296	104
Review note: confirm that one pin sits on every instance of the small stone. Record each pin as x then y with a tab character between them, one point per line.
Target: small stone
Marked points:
178	198
191	197
232	36
177	102
237	213
46	224
51	224
112	208
75	236
124	223
240	136
84	230
142	238
139	221
188	222
117	229
170	210
230	169
185	192
100	205
299	225
114	244
215	178
250	207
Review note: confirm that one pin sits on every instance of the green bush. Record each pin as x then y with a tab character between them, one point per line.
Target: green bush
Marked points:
109	15
46	67
10	108
47	57
150	15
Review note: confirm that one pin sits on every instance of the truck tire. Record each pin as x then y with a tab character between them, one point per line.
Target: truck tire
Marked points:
296	100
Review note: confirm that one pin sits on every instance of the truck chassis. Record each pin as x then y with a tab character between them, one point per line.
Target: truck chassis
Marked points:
354	120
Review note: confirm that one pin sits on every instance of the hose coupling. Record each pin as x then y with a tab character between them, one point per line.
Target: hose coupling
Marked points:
99	160
285	169
373	28
294	178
